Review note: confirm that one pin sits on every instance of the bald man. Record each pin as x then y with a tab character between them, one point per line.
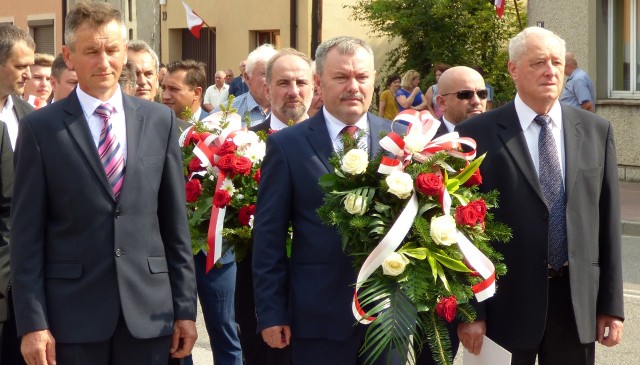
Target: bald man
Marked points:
461	94
578	89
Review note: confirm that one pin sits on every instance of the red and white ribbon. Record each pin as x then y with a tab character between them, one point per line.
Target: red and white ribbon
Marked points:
387	245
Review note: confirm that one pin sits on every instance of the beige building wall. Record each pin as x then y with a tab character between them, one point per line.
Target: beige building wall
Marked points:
234	25
28	14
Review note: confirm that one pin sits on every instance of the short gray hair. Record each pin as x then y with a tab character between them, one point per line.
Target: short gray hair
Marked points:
138	45
260	54
9	36
281	53
345	46
518	47
96	14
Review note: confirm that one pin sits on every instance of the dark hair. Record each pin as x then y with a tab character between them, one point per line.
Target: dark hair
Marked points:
95	14
58	66
195	76
442	67
9	36
345	46
392	78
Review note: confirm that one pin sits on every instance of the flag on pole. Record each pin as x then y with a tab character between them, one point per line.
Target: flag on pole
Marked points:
193	21
499	7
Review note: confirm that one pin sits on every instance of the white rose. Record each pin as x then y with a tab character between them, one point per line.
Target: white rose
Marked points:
355	161
400	184
415	142
394	264
355	204
443	230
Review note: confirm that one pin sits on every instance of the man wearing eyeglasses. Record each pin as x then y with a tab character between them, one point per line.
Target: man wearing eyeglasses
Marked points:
461	95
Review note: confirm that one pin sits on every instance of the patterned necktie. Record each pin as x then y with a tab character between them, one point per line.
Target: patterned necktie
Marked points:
553	189
350	130
110	151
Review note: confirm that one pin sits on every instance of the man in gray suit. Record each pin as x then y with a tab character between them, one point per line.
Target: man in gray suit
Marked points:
102	269
307	302
16	56
555	168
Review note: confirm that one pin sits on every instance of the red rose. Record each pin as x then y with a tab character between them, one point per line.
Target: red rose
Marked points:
256	176
193	189
429	184
195	164
221	198
474	180
225	163
480	207
446	308
466	215
227	147
242	165
245	213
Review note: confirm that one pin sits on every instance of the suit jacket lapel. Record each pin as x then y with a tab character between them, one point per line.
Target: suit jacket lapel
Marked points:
572	146
135	127
318	136
513	138
376	126
78	128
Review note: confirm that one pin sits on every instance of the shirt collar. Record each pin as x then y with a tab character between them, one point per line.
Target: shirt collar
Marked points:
450	126
335	126
526	114
89	103
8	105
276	124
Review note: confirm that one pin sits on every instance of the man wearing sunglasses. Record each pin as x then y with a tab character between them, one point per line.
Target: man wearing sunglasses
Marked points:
462	95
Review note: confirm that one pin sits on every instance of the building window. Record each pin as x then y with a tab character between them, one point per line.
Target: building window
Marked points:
624	50
271	37
43	33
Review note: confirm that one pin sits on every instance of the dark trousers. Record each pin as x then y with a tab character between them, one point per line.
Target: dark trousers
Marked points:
9	342
560	344
121	349
254	349
323	351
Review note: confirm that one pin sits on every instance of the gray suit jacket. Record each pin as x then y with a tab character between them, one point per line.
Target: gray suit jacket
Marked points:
516	314
313	291
81	258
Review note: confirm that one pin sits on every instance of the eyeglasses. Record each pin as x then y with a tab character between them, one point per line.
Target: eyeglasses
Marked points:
468	94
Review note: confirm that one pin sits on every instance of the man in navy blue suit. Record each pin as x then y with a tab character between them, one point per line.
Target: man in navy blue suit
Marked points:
306	302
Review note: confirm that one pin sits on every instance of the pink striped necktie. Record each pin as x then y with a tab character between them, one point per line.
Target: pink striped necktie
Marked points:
110	151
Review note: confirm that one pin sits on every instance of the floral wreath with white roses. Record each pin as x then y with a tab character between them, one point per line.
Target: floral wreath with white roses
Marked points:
419	234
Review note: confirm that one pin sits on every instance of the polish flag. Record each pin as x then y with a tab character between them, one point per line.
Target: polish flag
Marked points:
499	7
193	21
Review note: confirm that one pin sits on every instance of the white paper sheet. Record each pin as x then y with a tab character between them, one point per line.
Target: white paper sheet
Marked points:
491	354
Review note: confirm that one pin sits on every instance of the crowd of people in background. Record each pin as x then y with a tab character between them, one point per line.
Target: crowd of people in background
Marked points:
277	323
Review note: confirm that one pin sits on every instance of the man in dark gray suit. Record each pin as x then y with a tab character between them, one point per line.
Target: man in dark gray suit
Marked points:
16	56
555	168
102	269
307	302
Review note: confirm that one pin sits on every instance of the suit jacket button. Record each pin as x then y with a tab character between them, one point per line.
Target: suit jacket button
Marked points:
117	215
118	252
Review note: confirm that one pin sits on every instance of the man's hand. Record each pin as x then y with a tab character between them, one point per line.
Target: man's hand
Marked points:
184	337
614	324
277	337
39	348
471	335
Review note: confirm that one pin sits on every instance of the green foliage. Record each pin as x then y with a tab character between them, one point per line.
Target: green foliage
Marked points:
456	32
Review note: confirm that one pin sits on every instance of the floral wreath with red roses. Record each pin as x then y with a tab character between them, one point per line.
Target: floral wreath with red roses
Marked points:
419	234
222	170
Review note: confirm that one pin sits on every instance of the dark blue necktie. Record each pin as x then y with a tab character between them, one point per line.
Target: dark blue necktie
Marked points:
553	189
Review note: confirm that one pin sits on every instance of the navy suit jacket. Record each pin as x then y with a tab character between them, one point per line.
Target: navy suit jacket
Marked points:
319	276
516	314
81	258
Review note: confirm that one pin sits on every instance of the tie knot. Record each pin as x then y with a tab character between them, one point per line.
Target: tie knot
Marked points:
104	110
542	120
349	130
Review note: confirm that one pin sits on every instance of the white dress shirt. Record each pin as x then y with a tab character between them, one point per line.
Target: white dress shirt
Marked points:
11	120
335	126
119	126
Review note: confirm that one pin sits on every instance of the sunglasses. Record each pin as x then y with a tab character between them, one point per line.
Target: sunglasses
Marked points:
468	94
